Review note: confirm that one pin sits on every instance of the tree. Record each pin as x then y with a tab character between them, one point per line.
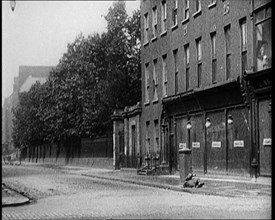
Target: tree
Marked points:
28	128
123	54
96	75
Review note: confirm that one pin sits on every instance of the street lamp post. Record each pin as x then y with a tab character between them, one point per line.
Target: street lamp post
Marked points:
12	4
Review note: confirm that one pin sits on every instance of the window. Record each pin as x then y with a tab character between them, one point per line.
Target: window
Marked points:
155	80
243	27
176	69
175	13
199	63
263	38
164	74
163	17
155	21
212	4
147	137
187	64
146	28
197	5
156	136
186	10
227	51
213	56
147	83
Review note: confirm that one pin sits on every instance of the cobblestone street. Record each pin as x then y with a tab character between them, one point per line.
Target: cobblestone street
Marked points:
60	195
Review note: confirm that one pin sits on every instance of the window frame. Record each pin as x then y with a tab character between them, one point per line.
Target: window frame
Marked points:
156	136
146	28
154	22
186	13
199	59
227	33
155	81
264	20
164	75
163	16
197	8
176	70
243	33
175	13
147	137
213	37
147	84
187	65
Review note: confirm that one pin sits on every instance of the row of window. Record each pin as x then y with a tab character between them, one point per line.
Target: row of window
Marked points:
163	26
156	145
198	41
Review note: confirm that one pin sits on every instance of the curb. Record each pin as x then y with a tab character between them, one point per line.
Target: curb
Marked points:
162	186
14	204
22	193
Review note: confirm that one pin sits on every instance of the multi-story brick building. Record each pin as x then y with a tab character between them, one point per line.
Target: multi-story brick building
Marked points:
28	75
206	84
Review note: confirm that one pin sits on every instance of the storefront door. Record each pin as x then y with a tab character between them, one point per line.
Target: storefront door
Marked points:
265	144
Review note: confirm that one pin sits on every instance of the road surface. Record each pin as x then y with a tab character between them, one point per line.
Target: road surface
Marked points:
62	195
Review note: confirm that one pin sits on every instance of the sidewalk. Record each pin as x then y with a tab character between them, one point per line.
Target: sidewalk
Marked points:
214	185
12	198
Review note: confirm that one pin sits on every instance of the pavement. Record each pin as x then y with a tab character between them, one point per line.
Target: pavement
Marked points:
230	186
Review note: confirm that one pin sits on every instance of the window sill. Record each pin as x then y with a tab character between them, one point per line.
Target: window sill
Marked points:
197	13
155	101
154	39
185	20
146	103
163	33
212	5
174	27
145	44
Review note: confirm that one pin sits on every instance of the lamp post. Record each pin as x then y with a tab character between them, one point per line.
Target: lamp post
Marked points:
189	126
12	4
207	123
230	119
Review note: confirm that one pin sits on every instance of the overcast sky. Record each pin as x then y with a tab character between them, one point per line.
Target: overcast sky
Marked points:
37	32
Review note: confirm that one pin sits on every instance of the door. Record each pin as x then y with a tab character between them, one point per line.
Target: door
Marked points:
239	144
181	136
216	143
197	143
265	144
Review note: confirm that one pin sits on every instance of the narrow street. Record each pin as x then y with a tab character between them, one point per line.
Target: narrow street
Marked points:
60	195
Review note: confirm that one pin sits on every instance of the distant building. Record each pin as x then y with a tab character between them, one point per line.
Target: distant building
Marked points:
206	84
28	75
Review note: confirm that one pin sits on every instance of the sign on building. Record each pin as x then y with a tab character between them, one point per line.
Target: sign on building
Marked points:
182	145
216	144
195	144
239	143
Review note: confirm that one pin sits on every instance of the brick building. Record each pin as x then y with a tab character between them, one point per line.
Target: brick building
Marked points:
27	76
206	84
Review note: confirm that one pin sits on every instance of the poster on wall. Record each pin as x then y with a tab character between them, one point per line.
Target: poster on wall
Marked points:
216	144
239	143
182	145
195	144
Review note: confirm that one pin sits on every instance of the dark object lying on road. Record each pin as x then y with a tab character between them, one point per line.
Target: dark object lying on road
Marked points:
192	181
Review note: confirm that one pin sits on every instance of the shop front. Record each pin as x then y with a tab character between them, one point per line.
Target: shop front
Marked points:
215	124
